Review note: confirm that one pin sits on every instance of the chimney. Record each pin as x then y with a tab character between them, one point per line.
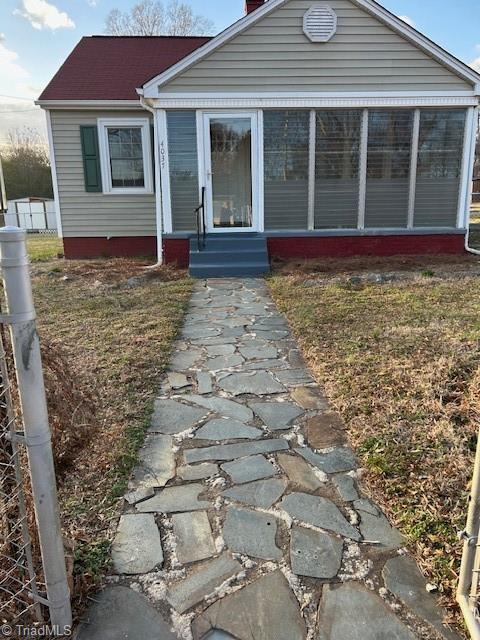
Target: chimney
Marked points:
251	5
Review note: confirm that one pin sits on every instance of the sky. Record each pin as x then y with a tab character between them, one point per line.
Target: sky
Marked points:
37	35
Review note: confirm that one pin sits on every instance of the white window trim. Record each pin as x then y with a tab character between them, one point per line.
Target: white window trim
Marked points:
413	169
144	123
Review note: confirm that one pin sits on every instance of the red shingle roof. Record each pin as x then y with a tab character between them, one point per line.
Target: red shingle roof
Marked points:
112	67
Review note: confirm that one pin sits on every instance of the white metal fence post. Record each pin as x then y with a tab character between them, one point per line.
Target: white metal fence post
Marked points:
26	353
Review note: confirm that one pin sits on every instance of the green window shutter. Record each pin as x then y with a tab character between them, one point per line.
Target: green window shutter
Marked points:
91	158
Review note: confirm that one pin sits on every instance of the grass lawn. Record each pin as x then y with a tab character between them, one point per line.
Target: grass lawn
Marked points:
43	247
400	361
105	345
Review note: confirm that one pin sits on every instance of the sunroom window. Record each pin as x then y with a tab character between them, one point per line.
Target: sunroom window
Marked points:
126	157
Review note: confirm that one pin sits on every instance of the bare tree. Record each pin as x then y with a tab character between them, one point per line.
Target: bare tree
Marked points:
26	165
153	18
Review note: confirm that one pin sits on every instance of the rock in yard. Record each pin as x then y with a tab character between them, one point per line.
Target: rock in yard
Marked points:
263	610
176	499
260	384
203	581
276	415
351	612
194	536
174	417
119	612
251	533
227	429
314	554
320	512
299	472
261	493
137	547
249	469
183	360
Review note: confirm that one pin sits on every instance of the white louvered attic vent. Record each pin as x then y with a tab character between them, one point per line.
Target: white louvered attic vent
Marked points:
320	23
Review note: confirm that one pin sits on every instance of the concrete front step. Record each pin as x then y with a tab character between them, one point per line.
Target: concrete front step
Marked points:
229	255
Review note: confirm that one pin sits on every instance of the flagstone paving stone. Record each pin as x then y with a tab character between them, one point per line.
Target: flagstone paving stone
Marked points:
276	415
375	527
260	384
224	362
197	471
120	612
403	579
309	398
227	429
299	472
351	612
249	469
251	533
261	493
204	382
314	554
284	500
319	512
156	463
258	353
174	499
224	407
204	580
334	461
194	536
173	417
233	451
137	547
263	610
345	485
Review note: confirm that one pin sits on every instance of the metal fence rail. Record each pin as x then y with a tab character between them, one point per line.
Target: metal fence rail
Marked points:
468	593
33	579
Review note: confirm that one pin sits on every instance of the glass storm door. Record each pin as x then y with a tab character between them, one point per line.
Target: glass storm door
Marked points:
230	144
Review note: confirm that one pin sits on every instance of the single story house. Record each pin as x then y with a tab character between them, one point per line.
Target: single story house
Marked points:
305	129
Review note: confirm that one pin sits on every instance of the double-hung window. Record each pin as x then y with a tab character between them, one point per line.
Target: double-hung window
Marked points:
125	151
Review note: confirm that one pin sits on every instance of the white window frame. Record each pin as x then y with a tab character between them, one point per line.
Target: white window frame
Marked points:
103	124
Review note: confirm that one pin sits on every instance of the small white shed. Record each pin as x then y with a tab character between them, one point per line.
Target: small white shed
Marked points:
32	214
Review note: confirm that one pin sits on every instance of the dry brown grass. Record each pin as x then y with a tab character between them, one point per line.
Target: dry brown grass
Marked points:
105	340
401	362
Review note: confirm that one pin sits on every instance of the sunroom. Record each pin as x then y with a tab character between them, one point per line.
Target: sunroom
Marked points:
293	173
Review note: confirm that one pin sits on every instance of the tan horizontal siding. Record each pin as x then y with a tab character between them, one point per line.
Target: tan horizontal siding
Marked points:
94	214
275	55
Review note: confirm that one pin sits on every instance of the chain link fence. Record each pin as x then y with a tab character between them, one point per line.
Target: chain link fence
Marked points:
33	579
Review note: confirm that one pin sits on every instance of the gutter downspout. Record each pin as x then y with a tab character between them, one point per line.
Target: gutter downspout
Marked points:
475	252
158	192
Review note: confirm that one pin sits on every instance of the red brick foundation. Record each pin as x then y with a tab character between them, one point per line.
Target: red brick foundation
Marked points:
176	249
347	246
75	248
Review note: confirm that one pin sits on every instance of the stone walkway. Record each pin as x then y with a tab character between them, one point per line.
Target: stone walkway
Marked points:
244	518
